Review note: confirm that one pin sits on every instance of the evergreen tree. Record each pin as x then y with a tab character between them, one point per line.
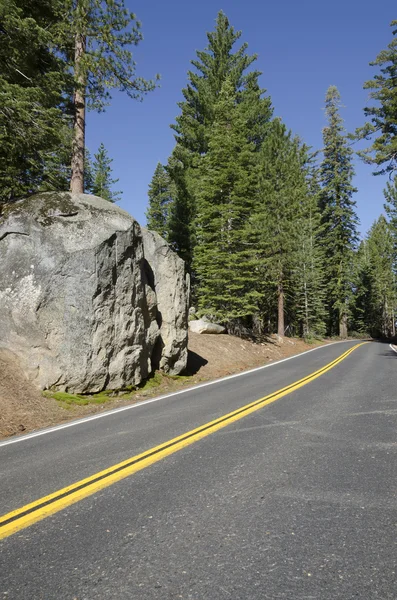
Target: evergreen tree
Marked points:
382	124
56	165
193	128
309	284
160	197
278	210
213	66
94	39
34	98
98	178
390	193
362	318
88	172
339	219
224	256
381	288
182	207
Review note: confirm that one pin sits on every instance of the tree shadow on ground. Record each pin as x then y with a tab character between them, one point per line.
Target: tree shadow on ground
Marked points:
386	351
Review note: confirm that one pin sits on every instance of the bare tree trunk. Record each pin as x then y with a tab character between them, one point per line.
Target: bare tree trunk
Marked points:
306	328
385	319
343	325
280	326
77	179
306	321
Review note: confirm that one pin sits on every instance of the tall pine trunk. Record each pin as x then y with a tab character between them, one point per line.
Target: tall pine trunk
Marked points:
306	327
77	179
385	319
280	293
343	325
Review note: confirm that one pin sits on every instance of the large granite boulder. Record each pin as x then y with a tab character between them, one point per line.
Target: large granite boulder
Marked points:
172	285
77	304
203	326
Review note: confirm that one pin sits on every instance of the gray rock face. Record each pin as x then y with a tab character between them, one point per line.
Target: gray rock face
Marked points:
76	302
172	286
201	326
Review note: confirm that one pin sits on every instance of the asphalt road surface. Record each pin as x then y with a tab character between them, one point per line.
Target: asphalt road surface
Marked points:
293	498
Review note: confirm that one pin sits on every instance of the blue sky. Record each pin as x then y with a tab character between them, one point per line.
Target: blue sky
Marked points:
303	46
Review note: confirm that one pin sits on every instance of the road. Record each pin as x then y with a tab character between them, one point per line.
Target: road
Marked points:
294	498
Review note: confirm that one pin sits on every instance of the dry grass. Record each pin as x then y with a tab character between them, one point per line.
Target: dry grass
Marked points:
23	408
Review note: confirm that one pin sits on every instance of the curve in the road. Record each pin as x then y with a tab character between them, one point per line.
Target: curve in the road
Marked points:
25	516
113	411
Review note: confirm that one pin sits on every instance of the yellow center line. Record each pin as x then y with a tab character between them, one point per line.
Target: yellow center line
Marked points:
48	505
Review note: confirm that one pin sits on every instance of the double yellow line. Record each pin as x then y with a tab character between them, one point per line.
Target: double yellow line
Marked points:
48	505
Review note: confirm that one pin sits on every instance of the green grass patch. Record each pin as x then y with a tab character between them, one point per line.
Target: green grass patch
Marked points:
66	399
79	399
182	378
154	381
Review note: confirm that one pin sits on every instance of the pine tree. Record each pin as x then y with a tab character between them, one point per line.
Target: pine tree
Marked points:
34	98
382	281
362	318
224	256
279	209
100	174
182	207
160	198
88	172
56	165
309	283
390	206
193	128
339	219
382	124
101	32
212	67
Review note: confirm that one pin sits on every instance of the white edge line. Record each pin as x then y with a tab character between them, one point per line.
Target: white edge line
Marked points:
393	348
113	411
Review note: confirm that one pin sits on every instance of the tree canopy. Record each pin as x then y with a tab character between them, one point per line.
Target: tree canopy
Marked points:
381	126
268	227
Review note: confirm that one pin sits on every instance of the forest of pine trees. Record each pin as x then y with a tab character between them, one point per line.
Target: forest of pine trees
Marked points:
267	226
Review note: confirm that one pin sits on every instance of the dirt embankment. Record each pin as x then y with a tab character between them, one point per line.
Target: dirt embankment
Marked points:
24	409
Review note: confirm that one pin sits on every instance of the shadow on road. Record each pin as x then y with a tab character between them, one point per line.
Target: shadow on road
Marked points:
386	350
